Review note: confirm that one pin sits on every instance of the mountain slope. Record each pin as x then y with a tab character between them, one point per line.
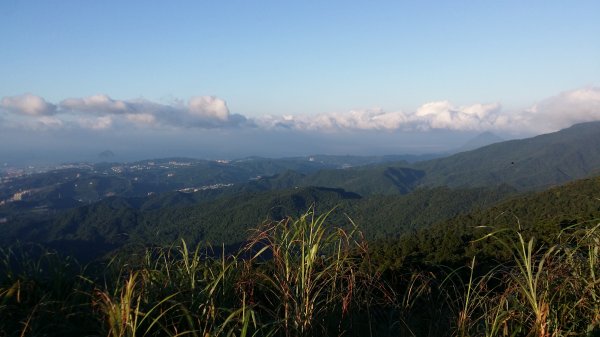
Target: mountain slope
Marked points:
527	164
537	162
115	221
455	241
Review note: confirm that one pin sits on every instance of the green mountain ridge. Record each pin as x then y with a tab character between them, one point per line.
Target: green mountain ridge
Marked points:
116	221
527	164
531	163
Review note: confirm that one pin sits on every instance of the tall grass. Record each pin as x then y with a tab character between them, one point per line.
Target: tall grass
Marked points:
312	277
546	290
40	294
305	277
173	292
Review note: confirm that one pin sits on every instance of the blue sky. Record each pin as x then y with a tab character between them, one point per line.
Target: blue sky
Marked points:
269	60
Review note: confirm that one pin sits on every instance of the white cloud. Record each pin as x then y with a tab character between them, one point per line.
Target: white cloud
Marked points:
551	114
563	110
369	119
434	115
443	115
100	104
200	112
101	112
366	119
27	104
209	107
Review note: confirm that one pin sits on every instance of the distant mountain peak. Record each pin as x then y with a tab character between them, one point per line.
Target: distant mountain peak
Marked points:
106	154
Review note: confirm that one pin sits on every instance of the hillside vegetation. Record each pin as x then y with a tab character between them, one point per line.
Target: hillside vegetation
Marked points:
199	218
540	214
307	277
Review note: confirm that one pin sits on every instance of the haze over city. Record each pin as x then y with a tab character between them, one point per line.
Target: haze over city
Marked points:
234	79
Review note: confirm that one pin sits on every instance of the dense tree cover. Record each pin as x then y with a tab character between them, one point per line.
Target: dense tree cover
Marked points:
209	216
429	226
368	180
434	226
455	241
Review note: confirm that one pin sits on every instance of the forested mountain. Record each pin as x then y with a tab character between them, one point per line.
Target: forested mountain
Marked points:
84	182
537	162
526	164
365	180
536	214
436	224
201	218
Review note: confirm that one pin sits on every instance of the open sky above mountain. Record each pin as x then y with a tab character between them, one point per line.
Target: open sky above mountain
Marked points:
236	78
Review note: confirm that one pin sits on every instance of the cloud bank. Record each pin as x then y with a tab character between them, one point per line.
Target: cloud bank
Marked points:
101	112
27	104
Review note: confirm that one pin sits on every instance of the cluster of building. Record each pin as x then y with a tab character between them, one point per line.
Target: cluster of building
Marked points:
203	188
153	165
17	196
9	174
